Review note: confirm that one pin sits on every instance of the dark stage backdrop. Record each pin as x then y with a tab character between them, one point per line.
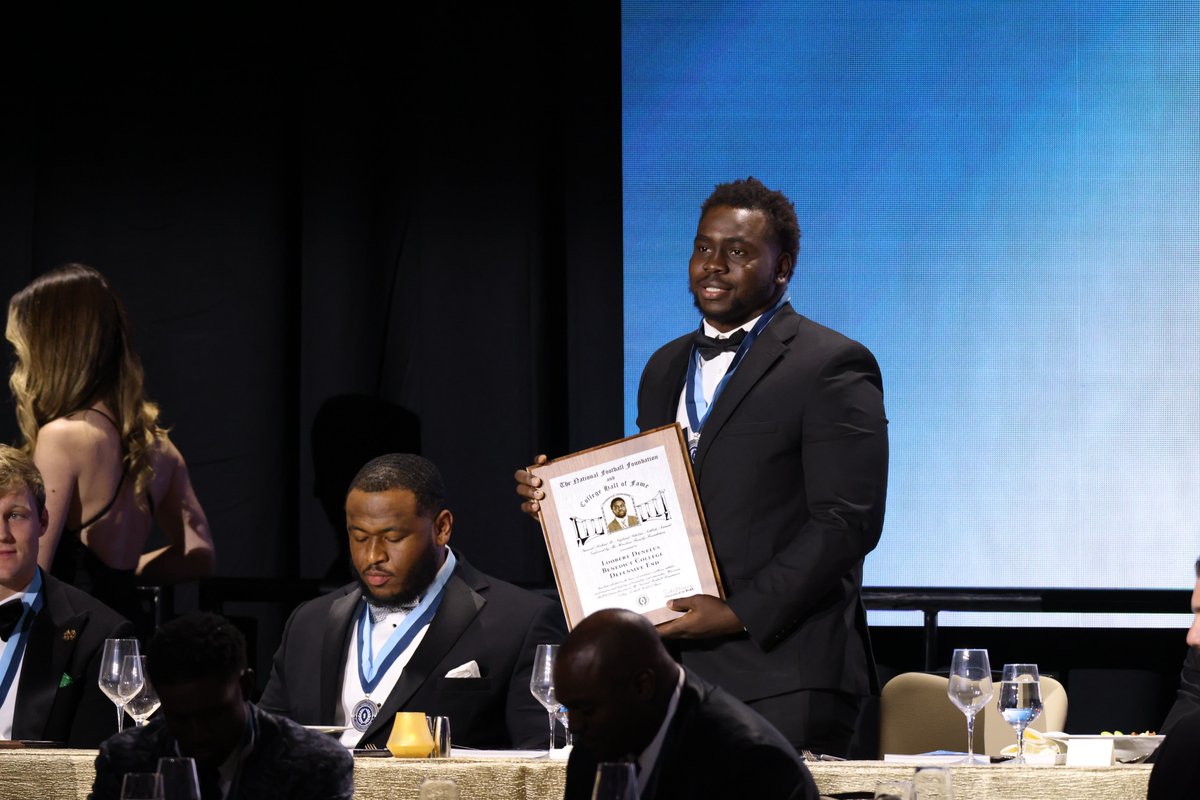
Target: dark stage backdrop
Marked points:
378	231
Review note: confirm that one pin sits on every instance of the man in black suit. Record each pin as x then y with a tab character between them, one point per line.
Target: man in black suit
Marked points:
629	701
785	421
51	634
1187	700
198	665
439	636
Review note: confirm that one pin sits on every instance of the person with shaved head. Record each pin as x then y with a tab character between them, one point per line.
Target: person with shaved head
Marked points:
627	700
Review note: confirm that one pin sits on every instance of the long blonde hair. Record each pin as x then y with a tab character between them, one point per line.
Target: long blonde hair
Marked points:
72	343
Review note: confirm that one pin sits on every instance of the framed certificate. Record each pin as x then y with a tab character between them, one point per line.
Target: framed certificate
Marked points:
624	527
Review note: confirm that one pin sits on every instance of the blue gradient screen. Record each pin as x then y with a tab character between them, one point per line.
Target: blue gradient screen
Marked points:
1002	201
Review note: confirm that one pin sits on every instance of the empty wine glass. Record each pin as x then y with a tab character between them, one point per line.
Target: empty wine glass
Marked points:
114	654
141	786
541	682
970	688
1020	700
179	778
144	700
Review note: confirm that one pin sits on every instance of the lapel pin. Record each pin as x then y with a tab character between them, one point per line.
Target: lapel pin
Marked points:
69	635
64	681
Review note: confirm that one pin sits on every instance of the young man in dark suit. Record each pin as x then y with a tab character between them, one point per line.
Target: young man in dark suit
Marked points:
198	665
422	630
629	701
51	634
786	426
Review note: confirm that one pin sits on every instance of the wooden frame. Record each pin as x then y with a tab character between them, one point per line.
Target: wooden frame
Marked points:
624	527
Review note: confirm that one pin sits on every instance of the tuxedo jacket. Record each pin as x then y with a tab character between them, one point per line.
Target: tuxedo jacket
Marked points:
1187	699
792	475
1176	773
58	698
715	747
480	619
287	761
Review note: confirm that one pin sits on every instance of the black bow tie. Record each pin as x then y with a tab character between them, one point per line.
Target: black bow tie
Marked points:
10	614
710	347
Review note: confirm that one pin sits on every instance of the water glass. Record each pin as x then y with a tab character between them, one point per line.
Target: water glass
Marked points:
932	783
439	729
894	790
432	789
1020	700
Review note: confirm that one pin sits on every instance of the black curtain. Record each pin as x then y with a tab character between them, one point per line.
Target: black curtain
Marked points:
397	227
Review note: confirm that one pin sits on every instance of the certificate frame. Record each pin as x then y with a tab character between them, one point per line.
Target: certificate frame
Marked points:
624	527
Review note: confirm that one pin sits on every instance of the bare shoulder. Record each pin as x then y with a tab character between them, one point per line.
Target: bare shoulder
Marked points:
166	460
68	432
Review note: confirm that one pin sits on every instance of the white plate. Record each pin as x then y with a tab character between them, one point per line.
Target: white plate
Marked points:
1125	748
330	729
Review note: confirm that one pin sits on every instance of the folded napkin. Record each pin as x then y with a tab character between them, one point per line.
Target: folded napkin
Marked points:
467	670
1038	749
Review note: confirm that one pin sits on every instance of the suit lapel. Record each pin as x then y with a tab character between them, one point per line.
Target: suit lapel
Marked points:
460	605
663	395
333	650
770	346
52	639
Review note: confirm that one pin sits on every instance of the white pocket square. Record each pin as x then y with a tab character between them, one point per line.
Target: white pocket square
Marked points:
467	670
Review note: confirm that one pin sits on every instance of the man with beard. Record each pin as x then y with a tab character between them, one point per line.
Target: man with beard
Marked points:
785	424
421	630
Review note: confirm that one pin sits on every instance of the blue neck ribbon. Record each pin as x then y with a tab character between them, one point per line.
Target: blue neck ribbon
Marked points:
371	666
697	410
15	647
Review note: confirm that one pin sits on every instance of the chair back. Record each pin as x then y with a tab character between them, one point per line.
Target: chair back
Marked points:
916	716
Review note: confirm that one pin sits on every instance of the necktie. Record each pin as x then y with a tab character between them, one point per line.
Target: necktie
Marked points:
710	347
10	614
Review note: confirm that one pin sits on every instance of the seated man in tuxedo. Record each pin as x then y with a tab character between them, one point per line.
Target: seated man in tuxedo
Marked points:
629	701
198	665
421	630
51	634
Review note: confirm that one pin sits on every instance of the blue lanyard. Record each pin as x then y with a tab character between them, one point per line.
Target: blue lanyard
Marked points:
15	647
370	671
695	393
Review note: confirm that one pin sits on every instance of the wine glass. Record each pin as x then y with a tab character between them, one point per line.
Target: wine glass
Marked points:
615	781
114	654
142	786
564	719
1020	700
144	700
180	781
541	682
970	688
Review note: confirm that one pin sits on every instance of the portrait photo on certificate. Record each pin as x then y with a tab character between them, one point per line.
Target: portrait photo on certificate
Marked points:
624	527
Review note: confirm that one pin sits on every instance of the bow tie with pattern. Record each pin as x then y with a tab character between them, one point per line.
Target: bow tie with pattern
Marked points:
10	615
711	347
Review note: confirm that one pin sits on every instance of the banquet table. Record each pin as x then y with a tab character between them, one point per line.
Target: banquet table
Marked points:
67	775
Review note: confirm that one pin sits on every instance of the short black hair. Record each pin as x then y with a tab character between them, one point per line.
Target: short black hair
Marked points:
1198	567
613	502
404	471
753	195
195	647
